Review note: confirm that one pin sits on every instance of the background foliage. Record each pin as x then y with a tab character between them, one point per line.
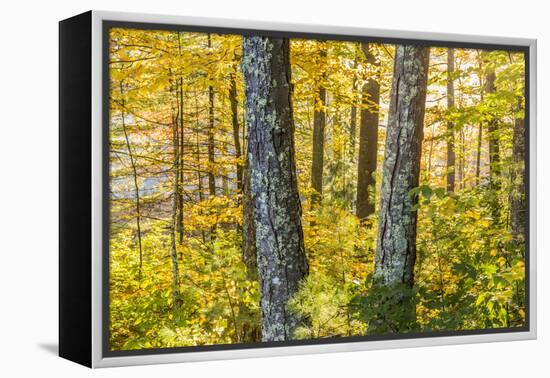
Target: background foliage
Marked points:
470	266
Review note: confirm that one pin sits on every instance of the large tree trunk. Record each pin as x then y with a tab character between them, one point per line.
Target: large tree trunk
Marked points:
319	122
251	332
281	260
450	125
243	185
368	137
396	243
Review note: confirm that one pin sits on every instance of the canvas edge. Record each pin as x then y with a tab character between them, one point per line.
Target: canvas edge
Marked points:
97	192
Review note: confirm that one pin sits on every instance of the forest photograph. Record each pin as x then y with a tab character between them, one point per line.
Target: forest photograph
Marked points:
267	189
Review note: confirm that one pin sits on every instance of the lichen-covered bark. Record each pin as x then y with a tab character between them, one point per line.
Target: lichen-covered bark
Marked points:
248	230
396	243
281	259
368	137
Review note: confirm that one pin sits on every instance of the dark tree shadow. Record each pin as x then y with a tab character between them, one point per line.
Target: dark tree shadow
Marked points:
51	348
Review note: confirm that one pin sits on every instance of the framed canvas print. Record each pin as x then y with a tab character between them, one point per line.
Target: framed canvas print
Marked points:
236	189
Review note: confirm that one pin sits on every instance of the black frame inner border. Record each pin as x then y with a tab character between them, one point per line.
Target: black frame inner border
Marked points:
108	24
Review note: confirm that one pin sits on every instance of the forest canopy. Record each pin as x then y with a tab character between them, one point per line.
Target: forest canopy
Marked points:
275	189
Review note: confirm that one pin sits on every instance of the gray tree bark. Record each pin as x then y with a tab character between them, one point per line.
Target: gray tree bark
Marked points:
396	242
368	138
250	332
450	125
282	263
248	229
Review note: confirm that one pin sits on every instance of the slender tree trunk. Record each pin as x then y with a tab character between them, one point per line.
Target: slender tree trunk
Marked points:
494	148
396	242
480	126
353	118
462	162
174	221
181	144
518	205
235	123
136	186
494	152
211	147
198	160
368	138
282	263
478	151
430	154
450	125
211	144
319	123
